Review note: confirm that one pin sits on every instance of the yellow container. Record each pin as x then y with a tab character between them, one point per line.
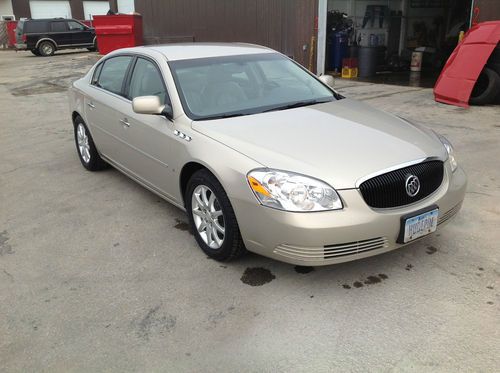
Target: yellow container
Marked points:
349	72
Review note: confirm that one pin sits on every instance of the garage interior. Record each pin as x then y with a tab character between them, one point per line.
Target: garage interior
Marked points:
382	36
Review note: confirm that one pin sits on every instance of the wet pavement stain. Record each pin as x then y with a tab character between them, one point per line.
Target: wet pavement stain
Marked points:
257	276
303	269
345	286
489	287
182	226
431	250
383	276
370	280
5	247
357	284
409	267
480	268
155	322
489	302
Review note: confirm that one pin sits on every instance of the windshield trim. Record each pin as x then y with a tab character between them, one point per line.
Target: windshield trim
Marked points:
245	112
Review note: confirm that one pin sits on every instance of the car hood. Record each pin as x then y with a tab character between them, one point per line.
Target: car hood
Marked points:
339	142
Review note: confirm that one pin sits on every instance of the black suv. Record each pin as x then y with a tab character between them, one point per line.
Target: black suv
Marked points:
44	36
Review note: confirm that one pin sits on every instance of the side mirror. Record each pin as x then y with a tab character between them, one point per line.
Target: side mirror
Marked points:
328	80
148	105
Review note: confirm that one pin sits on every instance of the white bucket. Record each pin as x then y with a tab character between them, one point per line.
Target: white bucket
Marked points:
416	61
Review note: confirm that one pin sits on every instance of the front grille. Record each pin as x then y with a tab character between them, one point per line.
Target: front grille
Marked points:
315	254
449	214
389	189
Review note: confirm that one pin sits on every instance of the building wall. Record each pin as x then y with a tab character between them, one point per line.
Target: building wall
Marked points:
485	10
284	25
22	8
6	8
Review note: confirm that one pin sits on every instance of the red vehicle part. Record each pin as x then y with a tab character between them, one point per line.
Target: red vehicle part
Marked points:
117	31
11	33
459	75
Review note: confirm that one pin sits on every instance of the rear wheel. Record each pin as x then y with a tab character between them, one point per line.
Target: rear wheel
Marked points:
46	48
85	147
212	218
486	88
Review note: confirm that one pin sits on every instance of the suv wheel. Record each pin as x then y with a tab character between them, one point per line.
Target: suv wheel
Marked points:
46	48
212	218
35	52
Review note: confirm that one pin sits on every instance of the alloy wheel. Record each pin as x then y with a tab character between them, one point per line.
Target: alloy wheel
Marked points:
208	217
83	142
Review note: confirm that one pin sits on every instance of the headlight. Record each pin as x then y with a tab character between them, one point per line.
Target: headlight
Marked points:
451	153
289	191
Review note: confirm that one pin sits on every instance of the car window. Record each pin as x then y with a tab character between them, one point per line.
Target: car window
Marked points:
35	26
95	77
75	26
58	27
147	81
113	72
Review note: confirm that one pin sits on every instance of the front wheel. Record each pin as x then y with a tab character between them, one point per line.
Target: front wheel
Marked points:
212	218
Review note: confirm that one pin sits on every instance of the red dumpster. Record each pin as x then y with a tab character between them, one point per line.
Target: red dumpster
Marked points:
11	32
117	31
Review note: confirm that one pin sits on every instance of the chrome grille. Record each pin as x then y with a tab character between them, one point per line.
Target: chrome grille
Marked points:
389	190
331	251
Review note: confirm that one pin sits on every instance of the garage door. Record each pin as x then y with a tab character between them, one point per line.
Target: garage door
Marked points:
50	9
126	6
95	8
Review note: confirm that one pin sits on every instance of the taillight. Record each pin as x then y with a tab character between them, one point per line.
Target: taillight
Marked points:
23	37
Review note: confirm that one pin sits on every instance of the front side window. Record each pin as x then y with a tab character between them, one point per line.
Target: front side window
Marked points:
75	26
113	73
58	26
147	81
226	86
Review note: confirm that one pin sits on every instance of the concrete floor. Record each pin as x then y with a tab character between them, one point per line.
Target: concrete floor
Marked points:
99	274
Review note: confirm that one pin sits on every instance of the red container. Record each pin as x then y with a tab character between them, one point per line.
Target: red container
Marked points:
11	33
118	31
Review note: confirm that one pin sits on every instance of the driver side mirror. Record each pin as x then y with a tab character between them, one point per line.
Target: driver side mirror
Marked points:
151	105
327	80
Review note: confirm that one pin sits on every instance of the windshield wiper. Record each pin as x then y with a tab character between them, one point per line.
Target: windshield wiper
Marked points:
223	116
296	105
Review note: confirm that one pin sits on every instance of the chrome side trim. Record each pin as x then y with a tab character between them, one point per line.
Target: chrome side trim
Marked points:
43	39
396	167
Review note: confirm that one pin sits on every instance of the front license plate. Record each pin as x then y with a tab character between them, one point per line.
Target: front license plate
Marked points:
420	225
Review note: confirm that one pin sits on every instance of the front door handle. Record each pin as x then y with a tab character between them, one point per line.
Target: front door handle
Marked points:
90	104
125	122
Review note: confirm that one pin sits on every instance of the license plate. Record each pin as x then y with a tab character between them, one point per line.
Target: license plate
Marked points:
420	225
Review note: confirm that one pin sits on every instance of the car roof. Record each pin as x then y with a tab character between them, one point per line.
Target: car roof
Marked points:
185	51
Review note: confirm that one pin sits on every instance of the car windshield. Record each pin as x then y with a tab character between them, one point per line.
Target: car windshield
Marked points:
222	87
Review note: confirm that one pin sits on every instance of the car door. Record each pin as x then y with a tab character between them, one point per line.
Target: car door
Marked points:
152	136
59	33
104	106
80	34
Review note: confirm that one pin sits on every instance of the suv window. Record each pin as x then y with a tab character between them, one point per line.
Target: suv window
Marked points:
58	26
147	81
36	26
112	74
75	26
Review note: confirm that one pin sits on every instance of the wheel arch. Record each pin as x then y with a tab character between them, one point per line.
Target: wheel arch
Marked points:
45	39
187	171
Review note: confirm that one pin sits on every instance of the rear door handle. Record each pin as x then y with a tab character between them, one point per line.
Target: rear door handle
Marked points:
90	104
125	122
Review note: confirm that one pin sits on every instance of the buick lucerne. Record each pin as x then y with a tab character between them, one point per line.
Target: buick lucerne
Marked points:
263	155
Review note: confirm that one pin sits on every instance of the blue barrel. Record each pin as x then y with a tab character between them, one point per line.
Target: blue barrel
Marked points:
339	50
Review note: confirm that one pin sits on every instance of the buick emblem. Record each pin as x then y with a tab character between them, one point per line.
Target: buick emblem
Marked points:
412	185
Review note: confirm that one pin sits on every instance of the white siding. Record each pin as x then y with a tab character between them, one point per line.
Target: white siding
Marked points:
95	8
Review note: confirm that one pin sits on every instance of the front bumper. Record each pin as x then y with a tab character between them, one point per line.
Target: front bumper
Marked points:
329	237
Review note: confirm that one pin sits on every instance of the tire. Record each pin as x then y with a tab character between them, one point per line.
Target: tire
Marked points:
94	48
35	52
486	88
46	48
231	246
85	147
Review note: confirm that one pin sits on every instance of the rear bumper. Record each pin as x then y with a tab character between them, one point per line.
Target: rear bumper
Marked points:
355	232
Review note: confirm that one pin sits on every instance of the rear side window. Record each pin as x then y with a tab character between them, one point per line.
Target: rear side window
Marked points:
112	74
58	27
36	26
147	81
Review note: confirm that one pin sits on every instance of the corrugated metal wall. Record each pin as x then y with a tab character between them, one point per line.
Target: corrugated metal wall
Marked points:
284	25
